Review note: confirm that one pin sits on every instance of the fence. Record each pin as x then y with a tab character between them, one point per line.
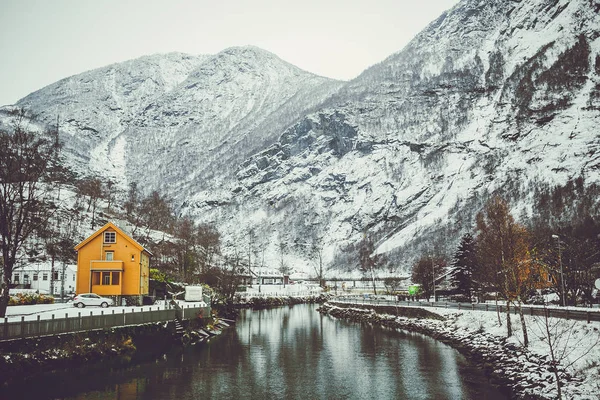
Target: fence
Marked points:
566	313
302	293
53	326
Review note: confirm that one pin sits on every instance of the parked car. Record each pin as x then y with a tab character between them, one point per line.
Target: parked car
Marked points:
91	299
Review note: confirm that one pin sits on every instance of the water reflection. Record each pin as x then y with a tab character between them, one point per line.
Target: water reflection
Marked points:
295	353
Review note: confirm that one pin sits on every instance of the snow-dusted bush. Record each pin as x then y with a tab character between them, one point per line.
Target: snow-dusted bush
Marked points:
25	299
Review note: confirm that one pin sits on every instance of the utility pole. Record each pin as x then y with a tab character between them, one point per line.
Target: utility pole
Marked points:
433	277
562	277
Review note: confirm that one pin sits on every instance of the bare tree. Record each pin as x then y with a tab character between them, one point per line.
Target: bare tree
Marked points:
209	240
281	249
26	161
109	193
557	333
251	234
157	214
503	253
425	271
229	276
92	189
132	205
368	260
392	284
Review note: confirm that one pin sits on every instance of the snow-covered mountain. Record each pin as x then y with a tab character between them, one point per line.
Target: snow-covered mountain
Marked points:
94	107
180	115
231	106
493	96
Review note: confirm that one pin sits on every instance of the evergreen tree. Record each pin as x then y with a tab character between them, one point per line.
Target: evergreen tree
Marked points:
464	264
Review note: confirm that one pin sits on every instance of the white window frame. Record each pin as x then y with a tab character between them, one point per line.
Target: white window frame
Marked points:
110	237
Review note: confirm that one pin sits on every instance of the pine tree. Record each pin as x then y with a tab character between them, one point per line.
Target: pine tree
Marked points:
464	265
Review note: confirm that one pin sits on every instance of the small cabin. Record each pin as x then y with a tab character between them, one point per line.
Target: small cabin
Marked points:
111	263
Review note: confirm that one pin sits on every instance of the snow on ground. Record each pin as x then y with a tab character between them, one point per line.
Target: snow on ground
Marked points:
576	343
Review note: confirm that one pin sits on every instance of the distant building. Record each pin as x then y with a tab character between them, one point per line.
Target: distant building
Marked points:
111	263
266	276
37	276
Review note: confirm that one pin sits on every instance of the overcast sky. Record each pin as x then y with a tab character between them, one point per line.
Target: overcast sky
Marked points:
43	41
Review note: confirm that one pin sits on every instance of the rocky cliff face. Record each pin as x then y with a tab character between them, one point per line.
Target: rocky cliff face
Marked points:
172	121
94	107
233	105
493	96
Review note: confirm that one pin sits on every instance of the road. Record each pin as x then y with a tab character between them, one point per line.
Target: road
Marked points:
575	313
60	310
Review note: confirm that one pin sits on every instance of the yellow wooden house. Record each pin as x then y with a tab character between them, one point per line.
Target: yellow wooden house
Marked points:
111	263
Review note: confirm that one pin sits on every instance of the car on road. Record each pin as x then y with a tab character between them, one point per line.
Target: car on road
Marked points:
91	299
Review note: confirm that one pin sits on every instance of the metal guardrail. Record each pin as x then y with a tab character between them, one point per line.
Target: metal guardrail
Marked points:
304	293
588	315
53	326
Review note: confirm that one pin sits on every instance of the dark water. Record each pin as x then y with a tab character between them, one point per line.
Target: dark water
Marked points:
292	353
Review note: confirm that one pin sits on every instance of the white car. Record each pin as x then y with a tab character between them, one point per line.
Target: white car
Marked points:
91	299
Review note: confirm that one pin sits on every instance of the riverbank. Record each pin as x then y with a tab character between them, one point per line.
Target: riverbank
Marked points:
277	301
525	373
22	360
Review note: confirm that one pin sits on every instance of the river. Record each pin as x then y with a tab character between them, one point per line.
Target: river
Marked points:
290	353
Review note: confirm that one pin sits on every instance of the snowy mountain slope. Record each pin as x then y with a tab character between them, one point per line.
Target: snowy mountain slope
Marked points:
227	109
493	96
95	106
190	117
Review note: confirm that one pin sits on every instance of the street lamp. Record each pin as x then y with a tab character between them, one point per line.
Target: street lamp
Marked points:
433	277
562	277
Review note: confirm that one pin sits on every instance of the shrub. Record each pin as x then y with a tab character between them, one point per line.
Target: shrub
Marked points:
26	299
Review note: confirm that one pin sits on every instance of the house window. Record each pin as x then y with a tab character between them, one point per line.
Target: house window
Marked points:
110	237
55	276
35	276
109	255
45	276
106	278
95	278
16	278
115	278
26	279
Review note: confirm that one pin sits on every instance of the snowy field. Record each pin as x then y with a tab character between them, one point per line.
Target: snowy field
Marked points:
576	344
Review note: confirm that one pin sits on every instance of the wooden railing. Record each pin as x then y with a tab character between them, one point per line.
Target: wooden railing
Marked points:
81	322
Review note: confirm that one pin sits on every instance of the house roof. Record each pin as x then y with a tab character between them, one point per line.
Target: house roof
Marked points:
44	268
266	272
110	225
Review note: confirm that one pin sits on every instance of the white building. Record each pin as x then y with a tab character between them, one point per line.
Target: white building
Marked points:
38	277
266	276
